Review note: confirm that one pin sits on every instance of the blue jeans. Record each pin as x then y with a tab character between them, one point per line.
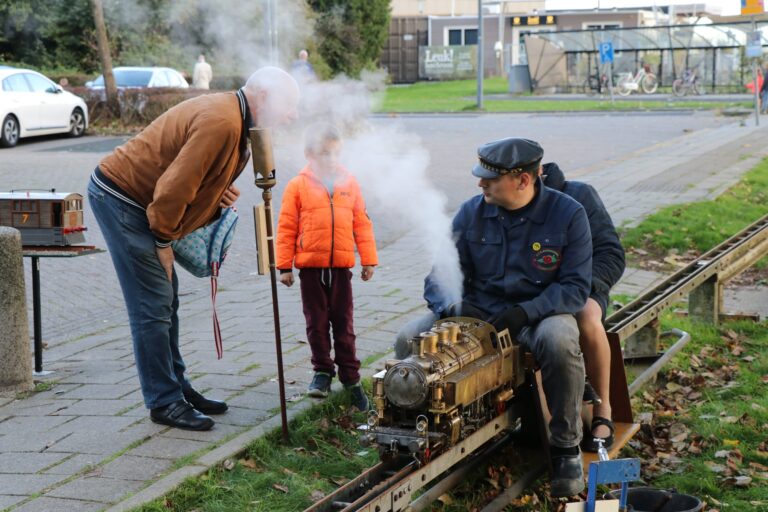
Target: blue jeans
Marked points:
151	299
554	342
763	102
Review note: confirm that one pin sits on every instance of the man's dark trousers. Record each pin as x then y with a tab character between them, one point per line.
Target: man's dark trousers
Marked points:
326	295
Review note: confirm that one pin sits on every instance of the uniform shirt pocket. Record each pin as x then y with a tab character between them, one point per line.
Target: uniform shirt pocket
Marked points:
485	250
546	252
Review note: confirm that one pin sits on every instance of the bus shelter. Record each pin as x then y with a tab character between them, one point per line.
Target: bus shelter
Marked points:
715	52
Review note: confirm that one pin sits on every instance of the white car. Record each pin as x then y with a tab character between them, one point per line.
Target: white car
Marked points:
31	104
129	77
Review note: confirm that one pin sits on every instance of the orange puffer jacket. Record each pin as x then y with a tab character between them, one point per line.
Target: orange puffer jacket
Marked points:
316	230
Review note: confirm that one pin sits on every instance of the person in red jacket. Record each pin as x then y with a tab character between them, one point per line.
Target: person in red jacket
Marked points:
322	219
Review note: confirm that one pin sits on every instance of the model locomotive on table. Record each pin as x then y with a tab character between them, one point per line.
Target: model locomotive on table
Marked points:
460	375
44	218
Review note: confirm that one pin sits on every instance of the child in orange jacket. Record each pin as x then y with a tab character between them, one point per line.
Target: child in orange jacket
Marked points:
322	218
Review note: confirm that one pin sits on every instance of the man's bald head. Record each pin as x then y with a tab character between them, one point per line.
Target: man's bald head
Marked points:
273	97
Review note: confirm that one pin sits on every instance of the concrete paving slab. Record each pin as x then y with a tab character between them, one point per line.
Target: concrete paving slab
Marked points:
6	500
24	484
28	462
104	490
59	505
74	464
168	447
130	467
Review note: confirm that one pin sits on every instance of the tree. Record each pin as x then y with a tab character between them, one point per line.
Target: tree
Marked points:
106	57
351	32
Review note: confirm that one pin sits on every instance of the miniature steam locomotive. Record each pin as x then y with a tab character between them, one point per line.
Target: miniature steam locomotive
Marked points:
44	218
460	375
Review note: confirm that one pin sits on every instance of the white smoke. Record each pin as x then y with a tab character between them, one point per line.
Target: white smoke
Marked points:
389	163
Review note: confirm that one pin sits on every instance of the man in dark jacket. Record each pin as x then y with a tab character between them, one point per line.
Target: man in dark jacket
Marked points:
525	252
607	267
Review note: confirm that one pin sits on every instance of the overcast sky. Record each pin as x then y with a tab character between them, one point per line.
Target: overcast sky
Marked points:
727	7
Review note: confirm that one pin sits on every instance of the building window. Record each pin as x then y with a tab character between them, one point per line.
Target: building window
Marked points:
601	26
462	36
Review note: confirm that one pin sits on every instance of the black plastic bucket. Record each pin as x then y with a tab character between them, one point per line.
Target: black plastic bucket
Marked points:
648	499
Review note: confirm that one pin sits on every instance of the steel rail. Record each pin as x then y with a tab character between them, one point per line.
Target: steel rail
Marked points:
725	261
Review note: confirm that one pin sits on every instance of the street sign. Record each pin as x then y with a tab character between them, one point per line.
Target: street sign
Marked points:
754	44
752	7
606	52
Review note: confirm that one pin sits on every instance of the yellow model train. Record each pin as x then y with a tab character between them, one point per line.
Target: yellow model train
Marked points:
44	218
461	374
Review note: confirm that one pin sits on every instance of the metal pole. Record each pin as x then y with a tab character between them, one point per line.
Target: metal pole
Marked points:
480	54
264	172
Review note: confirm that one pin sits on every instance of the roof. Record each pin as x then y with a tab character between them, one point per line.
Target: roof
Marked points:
21	195
702	36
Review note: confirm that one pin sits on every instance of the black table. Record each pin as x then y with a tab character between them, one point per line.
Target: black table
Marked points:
37	252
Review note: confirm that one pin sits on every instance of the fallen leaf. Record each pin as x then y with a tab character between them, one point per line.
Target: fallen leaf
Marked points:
340	481
739	481
714	467
722	454
288	471
249	463
228	464
445	499
316	495
280	488
731	442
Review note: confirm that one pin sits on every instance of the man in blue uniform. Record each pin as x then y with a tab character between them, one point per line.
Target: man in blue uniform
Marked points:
526	254
607	267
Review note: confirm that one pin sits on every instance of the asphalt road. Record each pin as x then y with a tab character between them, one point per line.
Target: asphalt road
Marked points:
81	294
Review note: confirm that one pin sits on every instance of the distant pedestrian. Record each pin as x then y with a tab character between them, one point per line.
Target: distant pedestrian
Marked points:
322	219
301	68
764	90
202	74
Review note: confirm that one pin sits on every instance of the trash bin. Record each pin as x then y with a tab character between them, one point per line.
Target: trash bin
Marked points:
519	79
648	499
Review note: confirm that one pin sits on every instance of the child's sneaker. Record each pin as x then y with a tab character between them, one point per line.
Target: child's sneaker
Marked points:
359	398
320	385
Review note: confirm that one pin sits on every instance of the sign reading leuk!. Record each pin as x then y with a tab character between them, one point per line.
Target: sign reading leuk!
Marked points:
447	62
752	7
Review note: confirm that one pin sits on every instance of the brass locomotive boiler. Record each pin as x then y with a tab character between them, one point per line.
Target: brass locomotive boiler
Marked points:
460	375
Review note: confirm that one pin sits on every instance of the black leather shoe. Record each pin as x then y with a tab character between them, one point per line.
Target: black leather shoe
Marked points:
180	414
204	405
567	476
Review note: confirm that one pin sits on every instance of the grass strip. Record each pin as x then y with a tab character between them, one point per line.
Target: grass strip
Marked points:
459	96
701	225
323	453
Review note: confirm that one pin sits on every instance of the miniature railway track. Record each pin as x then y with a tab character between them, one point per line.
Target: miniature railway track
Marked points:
389	486
723	261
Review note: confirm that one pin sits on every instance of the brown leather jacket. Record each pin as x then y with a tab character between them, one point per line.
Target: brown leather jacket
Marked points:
179	166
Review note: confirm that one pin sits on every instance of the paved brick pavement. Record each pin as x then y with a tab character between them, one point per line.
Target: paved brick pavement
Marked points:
86	443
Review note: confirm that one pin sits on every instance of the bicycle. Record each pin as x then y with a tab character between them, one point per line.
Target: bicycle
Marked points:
595	85
689	83
643	79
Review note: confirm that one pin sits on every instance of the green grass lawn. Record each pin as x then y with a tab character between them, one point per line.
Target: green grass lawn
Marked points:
702	225
460	96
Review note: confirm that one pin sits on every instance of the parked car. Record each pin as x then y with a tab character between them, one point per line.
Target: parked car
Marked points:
31	104
132	77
